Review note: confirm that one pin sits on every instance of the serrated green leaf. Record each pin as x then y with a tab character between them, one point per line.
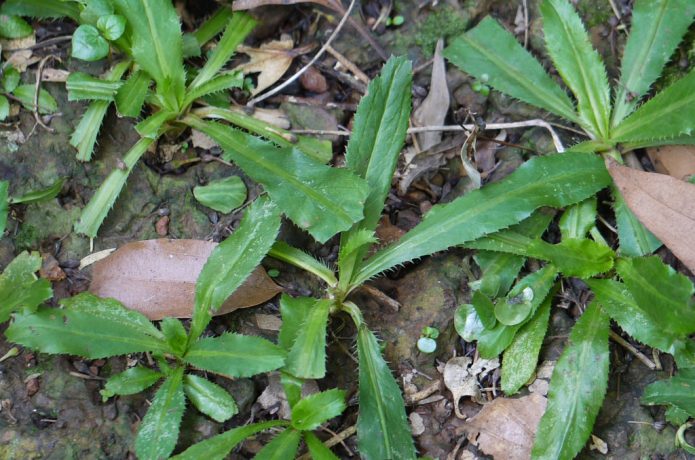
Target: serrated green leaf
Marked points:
678	391
157	45
667	115
292	386
359	239
635	239
526	296
131	96
159	429
307	356
4	206
10	78
175	335
111	26
14	27
223	195
88	45
37	196
467	323
235	355
658	27
283	446
383	430
566	179
521	357
4	108
232	261
577	389
578	219
19	287
41	8
155	125
101	203
25	94
317	449
660	291
209	398
218	447
485	309
293	311
318	198
578	63
131	381
676	416
82	86
489	52
313	410
221	82
298	258
213	25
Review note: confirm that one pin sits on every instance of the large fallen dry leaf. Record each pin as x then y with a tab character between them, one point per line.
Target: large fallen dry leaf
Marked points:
665	205
505	428
675	160
272	61
433	110
157	278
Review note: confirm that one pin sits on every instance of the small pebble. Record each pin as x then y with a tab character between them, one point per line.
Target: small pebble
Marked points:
162	226
32	386
312	80
163	212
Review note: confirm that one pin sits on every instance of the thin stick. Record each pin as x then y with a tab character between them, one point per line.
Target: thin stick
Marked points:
338	438
320	52
37	89
624	343
614	7
348	64
524	7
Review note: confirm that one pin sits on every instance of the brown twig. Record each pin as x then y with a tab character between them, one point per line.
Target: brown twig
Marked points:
37	90
348	64
339	438
625	344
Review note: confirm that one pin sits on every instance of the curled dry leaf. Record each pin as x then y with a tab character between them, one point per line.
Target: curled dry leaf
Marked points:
433	110
505	428
675	160
461	378
665	205
157	278
271	60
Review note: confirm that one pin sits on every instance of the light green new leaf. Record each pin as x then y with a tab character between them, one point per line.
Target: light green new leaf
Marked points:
664	294
235	355
485	309
307	356
667	115
554	180
130	381
4	206
635	239
213	25
467	323
111	26
310	412
283	446
41	8
218	447
526	296
10	78
657	28
93	10
175	335
317	449
223	195
4	108
88	44
676	416
298	258
155	125
383	430
209	398
221	82
37	196
293	310
578	219
157	45
490	53
131	96
14	27
82	86
101	203
232	261
318	198
159	430
25	94
521	357
577	389
19	287
578	63
678	391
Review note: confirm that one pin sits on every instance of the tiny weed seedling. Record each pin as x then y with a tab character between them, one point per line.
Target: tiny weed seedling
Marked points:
36	196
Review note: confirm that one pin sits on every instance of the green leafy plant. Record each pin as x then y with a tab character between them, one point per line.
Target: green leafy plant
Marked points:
652	303
24	94
36	196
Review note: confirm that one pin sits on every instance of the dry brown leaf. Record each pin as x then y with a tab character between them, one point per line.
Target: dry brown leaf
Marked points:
461	378
157	278
665	205
675	160
505	428
54	75
433	110
17	53
272	60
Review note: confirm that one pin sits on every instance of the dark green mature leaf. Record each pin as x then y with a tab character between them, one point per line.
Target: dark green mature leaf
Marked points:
644	325
235	355
555	180
663	293
223	195
635	239
492	342
521	357
467	323
293	311
318	198
209	398
41	8
379	130
485	309
492	54
111	26
88	44
578	63
658	28
577	389
383	431
93	10
37	196
669	114
678	391
82	86
19	288
101	203
4	205
159	429
213	25
10	78
130	381
25	94
232	261
131	96
14	27
218	447
526	296
578	219
283	446
4	108
157	45
307	356
317	449
310	412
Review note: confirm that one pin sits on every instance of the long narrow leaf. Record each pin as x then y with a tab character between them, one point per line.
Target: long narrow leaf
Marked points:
213	25
82	86
307	357
635	239
43	9
219	83
298	258
313	410
283	446
209	398
678	391
131	96
556	180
